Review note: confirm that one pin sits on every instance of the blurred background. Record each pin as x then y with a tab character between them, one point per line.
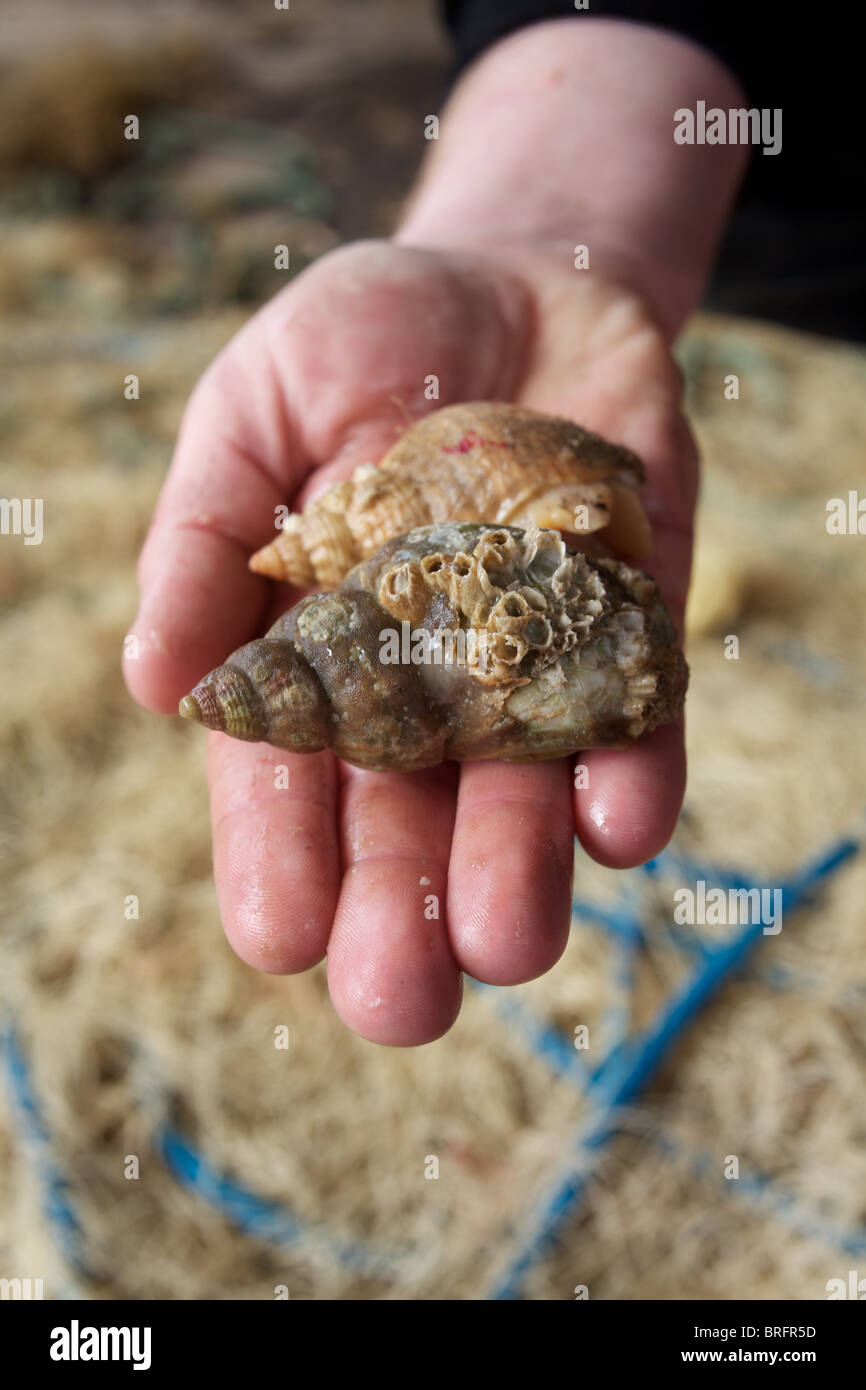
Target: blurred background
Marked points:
154	1141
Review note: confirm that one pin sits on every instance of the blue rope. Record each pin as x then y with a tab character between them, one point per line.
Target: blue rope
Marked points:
57	1203
801	882
619	923
263	1219
767	1194
629	1067
539	1037
786	977
625	1070
616	1021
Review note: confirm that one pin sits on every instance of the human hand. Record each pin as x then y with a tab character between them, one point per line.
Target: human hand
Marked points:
344	860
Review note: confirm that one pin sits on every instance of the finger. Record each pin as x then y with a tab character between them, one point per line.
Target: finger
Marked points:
670	496
311	379
510	875
660	436
628	809
391	973
625	384
367	443
276	855
234	463
379	322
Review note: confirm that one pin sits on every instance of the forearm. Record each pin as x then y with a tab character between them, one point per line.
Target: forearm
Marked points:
563	134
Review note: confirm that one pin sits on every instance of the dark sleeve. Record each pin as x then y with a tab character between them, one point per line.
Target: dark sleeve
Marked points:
795	249
475	24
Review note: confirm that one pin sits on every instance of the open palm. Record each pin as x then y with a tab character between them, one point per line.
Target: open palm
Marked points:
405	880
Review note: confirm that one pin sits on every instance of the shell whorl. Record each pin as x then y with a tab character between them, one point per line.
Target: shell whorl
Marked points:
483	461
314	547
576	653
523	593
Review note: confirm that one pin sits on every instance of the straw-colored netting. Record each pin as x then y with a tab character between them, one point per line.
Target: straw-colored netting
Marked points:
127	1023
135	1030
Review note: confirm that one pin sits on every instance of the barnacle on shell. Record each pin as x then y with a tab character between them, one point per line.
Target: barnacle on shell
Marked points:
458	640
481	461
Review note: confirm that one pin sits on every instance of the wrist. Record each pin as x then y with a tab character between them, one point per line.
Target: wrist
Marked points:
562	136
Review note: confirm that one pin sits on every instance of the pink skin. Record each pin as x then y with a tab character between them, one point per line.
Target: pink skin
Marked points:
344	862
335	862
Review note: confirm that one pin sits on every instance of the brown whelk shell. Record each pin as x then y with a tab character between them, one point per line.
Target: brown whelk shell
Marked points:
567	652
481	461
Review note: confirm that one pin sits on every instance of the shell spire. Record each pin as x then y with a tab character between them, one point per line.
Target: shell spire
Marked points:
285	556
483	461
460	641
